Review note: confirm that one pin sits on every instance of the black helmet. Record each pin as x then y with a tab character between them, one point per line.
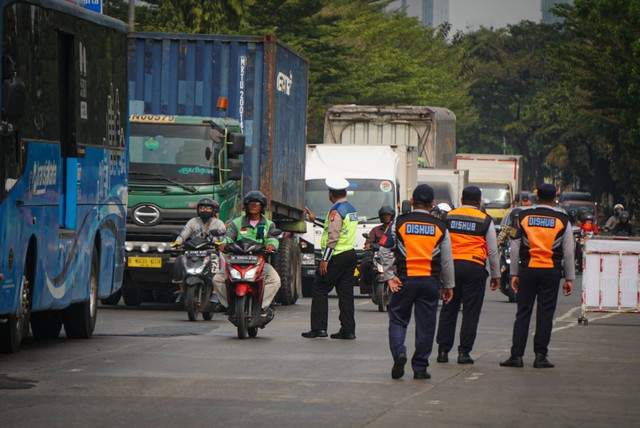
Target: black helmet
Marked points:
588	216
255	196
624	214
207	202
386	209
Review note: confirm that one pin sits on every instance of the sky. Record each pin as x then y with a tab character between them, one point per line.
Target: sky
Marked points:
491	13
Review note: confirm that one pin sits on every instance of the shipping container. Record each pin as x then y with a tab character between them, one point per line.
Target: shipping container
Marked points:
266	83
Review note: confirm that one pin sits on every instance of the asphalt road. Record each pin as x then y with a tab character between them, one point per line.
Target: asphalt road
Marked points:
151	367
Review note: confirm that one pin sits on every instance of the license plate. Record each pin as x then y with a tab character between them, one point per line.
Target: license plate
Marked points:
243	259
145	262
311	271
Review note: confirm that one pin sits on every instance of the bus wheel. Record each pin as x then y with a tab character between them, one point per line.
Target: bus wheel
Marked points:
14	327
46	324
80	318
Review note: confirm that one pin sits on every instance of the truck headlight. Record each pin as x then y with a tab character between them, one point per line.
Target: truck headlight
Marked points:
144	248
308	259
161	247
128	246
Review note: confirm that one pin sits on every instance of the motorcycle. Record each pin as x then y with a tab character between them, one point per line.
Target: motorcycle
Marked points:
245	261
380	292
505	274
201	261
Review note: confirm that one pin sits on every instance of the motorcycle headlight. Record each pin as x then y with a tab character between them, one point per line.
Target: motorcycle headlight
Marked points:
250	275
235	274
308	259
199	268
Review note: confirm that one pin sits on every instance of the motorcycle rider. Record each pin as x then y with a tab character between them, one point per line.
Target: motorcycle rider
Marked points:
614	219
386	214
624	227
256	227
206	221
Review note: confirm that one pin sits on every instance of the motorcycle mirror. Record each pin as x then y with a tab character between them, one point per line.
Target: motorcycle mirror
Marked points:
365	235
275	232
217	232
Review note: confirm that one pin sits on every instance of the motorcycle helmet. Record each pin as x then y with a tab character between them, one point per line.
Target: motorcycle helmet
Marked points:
255	196
207	202
617	207
588	216
624	214
386	209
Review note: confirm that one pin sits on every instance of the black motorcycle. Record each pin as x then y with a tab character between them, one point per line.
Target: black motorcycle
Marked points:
380	290
200	261
505	274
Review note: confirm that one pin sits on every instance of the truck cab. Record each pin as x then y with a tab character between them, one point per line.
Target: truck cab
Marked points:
174	161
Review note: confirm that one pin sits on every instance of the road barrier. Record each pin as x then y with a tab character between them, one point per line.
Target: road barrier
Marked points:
611	276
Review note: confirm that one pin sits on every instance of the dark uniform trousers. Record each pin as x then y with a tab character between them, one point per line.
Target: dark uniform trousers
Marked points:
543	284
471	280
424	293
339	275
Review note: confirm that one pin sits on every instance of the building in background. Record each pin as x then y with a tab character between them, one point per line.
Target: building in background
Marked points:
431	13
545	8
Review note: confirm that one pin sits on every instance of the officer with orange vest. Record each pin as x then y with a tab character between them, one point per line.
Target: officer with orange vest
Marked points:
473	240
424	268
543	243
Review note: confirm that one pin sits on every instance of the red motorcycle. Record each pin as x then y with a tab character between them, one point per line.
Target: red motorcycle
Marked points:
245	261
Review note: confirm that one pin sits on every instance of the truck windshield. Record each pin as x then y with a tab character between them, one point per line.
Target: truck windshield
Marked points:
366	195
175	151
495	195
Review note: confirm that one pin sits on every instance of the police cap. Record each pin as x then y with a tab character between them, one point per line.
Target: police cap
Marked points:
336	183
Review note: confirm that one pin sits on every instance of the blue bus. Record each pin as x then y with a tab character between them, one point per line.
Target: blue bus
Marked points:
63	167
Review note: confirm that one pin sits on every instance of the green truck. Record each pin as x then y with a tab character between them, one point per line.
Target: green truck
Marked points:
211	116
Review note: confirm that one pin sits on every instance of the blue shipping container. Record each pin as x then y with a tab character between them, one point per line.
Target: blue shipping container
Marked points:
266	83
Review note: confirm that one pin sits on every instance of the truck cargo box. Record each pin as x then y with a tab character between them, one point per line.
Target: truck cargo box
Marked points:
430	130
266	84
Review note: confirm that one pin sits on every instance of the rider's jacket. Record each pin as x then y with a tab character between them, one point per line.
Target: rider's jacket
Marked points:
241	228
197	227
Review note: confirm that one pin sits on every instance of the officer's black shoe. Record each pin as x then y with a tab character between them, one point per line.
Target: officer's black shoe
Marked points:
443	357
343	335
464	358
541	362
398	366
513	361
312	334
422	375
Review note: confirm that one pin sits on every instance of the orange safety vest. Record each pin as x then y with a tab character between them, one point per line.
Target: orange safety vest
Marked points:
542	231
417	251
468	229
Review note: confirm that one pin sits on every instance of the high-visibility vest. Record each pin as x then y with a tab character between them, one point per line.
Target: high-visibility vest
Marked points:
468	229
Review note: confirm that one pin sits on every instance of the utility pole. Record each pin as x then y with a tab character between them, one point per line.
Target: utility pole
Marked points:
132	16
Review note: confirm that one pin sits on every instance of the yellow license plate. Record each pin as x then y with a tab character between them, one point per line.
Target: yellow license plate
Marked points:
145	262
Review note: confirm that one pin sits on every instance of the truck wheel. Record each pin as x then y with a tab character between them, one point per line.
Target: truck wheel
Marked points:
79	319
46	324
13	329
288	264
113	299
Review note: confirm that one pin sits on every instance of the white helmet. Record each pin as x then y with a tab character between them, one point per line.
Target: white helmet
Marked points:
444	207
617	207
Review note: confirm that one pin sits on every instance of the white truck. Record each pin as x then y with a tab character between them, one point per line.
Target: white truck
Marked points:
447	183
378	149
498	176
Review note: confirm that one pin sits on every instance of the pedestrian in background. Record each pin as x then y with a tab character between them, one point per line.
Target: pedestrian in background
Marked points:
424	269
337	266
473	241
543	242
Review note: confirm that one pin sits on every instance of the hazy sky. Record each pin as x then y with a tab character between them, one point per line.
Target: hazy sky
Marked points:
491	13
